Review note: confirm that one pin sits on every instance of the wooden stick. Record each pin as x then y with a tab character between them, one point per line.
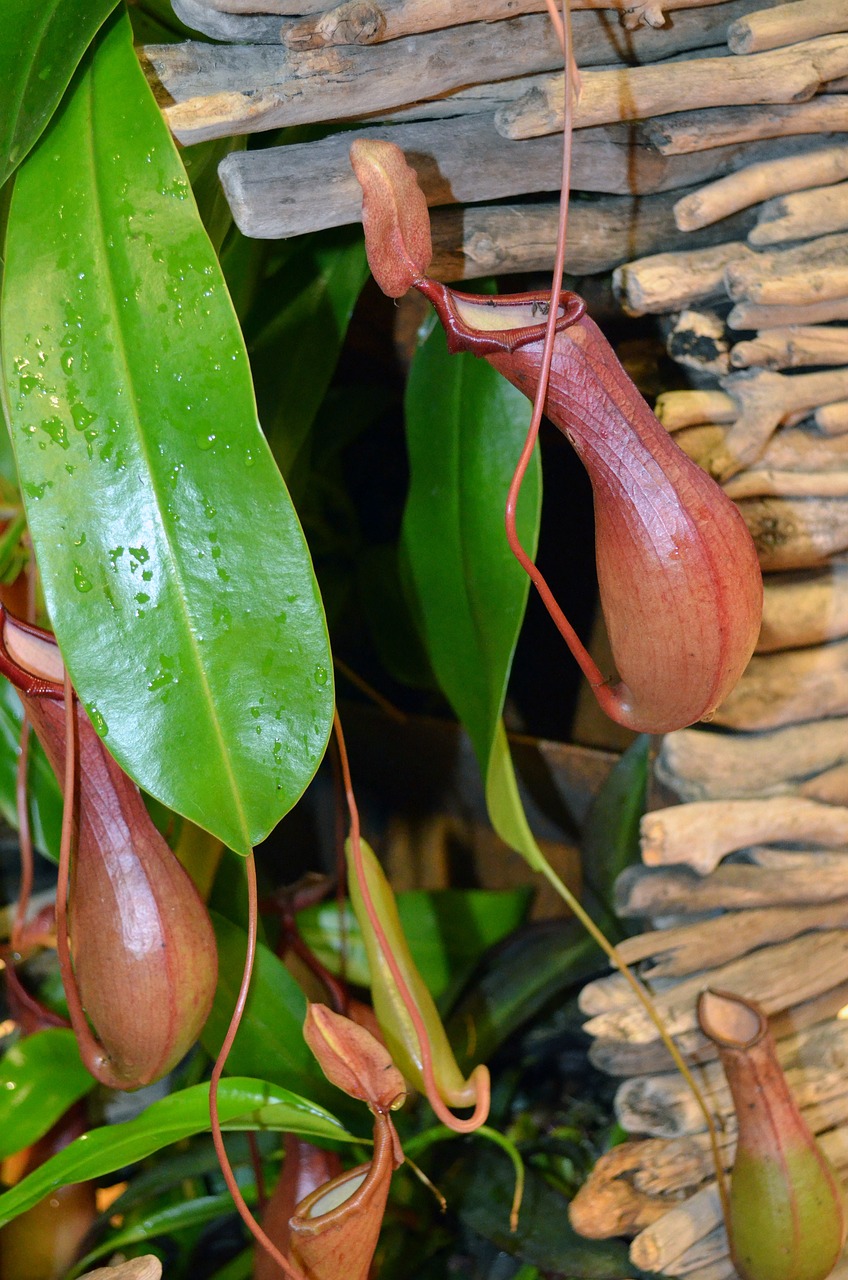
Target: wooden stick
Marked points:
636	93
764	480
802	214
681	891
760	182
658	1247
609	1204
678	410
459	10
746	315
284	191
796	533
697	340
805	453
787	24
707	944
718	126
699	835
793	347
815	270
475	240
788	688
675	280
695	765
833	418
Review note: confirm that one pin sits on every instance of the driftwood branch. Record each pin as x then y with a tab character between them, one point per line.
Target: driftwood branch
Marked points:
284	191
699	835
793	347
695	765
675	280
796	533
681	891
789	688
758	182
802	214
636	93
720	126
748	315
813	271
833	418
787	24
797	454
697	340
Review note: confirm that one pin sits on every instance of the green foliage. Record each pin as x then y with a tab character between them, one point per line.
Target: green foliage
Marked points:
174	567
41	47
40	1078
242	1104
45	798
611	834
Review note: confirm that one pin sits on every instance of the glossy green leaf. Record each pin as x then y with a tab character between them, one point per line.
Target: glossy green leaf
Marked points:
41	47
270	1040
295	333
465	429
242	1104
447	930
174	567
45	797
162	1222
517	979
40	1078
611	835
480	1191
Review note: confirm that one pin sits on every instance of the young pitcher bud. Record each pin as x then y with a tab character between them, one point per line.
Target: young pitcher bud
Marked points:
353	1059
679	580
787	1210
142	944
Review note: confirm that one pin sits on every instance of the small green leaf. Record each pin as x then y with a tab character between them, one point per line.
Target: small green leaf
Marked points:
41	47
448	931
242	1104
174	567
40	1078
45	796
270	1040
611	834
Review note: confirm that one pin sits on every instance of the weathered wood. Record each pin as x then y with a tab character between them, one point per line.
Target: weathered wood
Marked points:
796	533
707	944
282	8
660	1245
789	688
680	410
802	214
712	766
809	272
747	315
675	280
776	977
720	126
698	340
701	834
609	1203
284	191
766	399
680	890
259	28
833	418
787	24
759	182
785	75
803	454
793	347
476	240
759	481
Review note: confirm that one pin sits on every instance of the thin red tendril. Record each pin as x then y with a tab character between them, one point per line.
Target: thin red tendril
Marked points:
584	660
481	1109
24	839
217	1071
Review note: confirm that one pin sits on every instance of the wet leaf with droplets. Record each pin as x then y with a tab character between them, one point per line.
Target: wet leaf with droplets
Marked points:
192	596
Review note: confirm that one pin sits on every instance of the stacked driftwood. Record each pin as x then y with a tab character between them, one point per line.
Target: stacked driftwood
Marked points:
718	134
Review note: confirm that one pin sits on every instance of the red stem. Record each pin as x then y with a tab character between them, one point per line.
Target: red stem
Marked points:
24	839
217	1071
481	1109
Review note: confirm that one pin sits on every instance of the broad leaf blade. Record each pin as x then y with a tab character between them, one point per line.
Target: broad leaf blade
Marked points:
174	567
242	1104
40	1078
611	835
465	429
41	47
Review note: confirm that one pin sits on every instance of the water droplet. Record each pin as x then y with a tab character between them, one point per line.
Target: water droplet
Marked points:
142	597
205	441
81	416
81	582
320	675
249	459
55	429
141	554
100	725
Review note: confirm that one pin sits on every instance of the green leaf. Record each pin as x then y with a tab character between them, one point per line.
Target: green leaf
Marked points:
611	835
448	931
465	429
481	1194
242	1104
40	50
40	1078
161	1222
174	567
270	1040
45	797
525	973
294	347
